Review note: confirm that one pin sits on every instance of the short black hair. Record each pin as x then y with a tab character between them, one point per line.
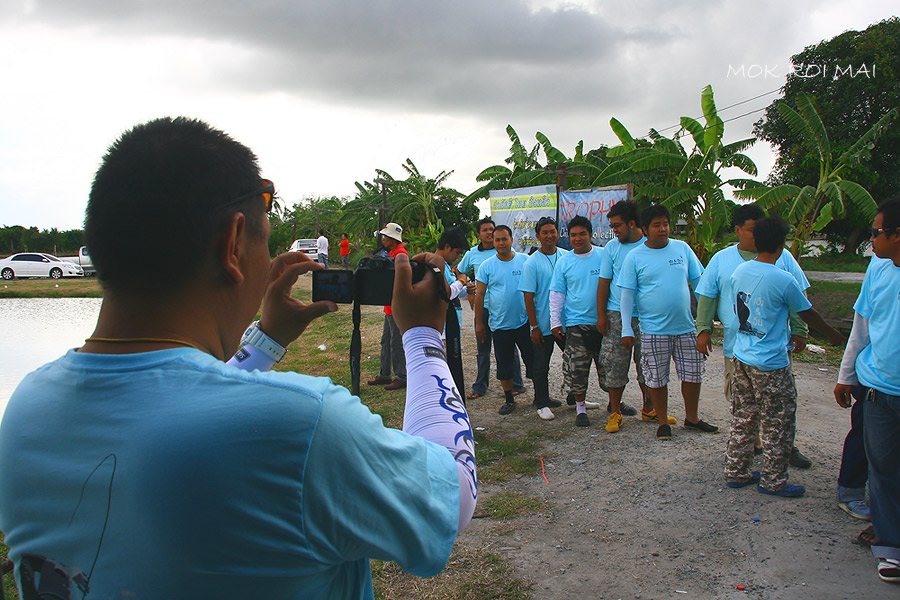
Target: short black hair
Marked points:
654	211
746	212
454	238
627	209
503	227
481	222
345	235
890	209
160	199
770	233
580	221
321	232
542	222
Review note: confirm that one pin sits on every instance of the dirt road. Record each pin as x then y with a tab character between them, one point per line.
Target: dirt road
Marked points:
632	517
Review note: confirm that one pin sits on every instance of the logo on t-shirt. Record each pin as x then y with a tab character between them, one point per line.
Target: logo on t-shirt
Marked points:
743	314
517	273
676	262
595	272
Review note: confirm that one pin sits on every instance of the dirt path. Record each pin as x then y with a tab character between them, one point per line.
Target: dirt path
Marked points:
631	517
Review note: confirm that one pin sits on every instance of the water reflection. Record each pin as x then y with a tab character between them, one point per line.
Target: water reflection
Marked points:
38	330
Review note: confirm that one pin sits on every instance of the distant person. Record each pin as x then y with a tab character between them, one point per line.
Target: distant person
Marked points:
345	251
535	287
322	248
624	220
656	278
714	290
573	315
392	354
763	395
467	269
497	287
156	470
870	360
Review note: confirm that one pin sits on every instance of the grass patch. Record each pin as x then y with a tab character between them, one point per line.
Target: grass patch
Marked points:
841	263
74	287
501	456
9	581
469	575
511	504
832	356
834	286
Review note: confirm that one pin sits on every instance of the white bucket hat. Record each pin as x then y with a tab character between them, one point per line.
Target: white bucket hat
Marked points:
393	231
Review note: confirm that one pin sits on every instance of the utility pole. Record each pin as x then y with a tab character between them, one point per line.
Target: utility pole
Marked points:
561	173
383	208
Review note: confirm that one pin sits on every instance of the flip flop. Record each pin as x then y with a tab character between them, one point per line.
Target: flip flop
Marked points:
867	537
473	395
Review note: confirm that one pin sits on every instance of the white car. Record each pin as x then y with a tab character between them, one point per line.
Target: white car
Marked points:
307	247
37	264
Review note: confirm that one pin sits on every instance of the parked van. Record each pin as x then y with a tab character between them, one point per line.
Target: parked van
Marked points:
83	260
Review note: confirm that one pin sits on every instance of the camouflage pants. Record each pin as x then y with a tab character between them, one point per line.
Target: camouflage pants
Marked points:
615	357
582	348
764	401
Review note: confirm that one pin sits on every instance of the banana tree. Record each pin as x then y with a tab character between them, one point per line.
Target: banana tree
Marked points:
689	184
810	208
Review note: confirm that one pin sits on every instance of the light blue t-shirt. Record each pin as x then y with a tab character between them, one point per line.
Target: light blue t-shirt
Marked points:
536	278
473	258
660	278
577	276
218	483
879	302
716	283
763	296
503	298
614	253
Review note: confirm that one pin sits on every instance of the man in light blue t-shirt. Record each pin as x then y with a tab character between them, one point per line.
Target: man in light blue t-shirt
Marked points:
624	220
144	466
573	314
870	360
466	270
498	279
715	284
535	287
763	395
656	278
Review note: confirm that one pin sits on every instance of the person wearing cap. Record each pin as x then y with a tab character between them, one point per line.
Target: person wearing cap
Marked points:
391	340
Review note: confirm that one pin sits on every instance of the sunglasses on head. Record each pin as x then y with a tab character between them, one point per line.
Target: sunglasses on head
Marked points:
267	191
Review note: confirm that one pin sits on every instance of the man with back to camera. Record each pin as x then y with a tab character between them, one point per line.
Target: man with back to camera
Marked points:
470	262
656	278
322	248
537	276
624	220
498	288
392	354
870	360
158	471
715	283
573	314
763	394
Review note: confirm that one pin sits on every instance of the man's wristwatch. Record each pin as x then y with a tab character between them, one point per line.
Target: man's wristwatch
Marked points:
533	327
256	337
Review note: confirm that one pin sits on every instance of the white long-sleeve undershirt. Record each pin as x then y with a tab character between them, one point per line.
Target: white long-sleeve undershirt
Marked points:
557	303
858	340
627	310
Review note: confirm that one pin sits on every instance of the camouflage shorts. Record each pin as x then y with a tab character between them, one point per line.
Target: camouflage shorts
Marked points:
614	356
582	347
764	401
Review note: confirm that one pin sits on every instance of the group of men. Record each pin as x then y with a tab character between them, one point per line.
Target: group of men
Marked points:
604	307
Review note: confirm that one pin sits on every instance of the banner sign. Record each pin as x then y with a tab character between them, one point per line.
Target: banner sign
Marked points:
593	204
520	209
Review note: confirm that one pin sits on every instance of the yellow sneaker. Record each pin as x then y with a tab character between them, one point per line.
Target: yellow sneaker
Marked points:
651	416
614	423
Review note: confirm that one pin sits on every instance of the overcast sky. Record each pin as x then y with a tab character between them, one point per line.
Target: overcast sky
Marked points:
326	91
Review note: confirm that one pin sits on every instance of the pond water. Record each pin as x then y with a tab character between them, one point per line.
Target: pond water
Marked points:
35	331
